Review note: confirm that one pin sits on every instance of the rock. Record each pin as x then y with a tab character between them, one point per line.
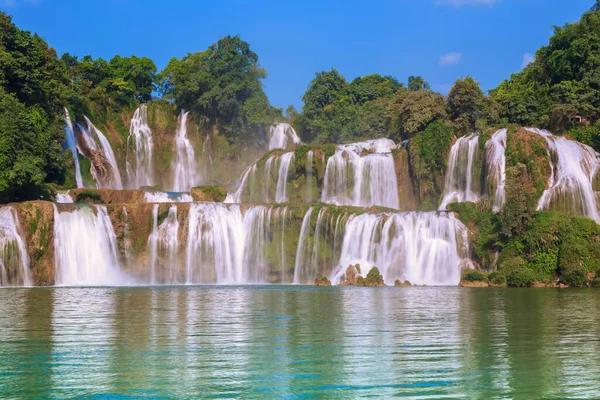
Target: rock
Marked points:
397	283
215	194
106	196
351	275
476	284
322	282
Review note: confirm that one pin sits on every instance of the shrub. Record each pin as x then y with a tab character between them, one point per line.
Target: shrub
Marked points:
497	278
520	277
574	276
89	196
374	276
473	275
595	283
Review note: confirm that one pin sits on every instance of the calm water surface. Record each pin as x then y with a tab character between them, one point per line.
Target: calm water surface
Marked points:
291	342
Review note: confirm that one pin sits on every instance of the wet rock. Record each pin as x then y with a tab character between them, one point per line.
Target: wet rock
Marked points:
215	194
352	274
476	284
397	283
322	282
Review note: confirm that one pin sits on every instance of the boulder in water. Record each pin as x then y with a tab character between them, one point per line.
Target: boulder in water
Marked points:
352	273
374	278
397	283
322	282
216	194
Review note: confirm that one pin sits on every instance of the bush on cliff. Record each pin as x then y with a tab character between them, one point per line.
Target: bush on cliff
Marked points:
473	275
520	277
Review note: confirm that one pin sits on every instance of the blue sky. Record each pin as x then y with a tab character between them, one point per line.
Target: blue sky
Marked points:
438	39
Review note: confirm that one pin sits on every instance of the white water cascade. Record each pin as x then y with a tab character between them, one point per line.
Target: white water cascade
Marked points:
282	135
186	168
574	166
164	238
309	175
461	178
495	155
165	197
362	174
72	145
258	184
423	248
64	198
14	261
85	248
139	167
112	179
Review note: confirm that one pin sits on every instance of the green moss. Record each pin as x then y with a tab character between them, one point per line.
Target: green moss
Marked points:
89	196
473	275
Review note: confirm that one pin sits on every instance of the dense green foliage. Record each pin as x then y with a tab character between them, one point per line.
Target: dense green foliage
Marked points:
33	91
222	86
561	88
473	275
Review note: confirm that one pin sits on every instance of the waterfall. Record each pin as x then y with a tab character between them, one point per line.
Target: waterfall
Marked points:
14	261
215	244
104	180
140	174
302	246
186	168
574	166
259	186
495	154
281	134
64	198
72	145
362	174
423	248
171	197
85	248
459	185
164	239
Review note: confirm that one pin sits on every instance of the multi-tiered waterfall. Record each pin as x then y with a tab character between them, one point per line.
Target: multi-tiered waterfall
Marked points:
14	261
282	136
570	187
139	150
362	174
495	156
186	168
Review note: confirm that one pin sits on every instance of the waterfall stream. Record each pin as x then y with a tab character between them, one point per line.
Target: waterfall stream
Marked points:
104	179
14	261
282	135
86	248
72	145
186	168
461	176
574	166
362	174
139	166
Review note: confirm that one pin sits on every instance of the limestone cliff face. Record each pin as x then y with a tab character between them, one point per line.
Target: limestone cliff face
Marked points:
37	223
406	193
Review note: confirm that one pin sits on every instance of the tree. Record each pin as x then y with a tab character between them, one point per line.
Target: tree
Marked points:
466	104
416	83
410	112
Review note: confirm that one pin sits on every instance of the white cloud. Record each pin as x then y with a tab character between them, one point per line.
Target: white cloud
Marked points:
460	3
527	59
450	59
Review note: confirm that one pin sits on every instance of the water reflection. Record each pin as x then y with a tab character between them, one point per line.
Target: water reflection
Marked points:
265	342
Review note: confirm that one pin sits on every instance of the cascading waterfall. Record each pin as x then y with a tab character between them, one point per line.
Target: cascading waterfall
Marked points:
64	198
186	168
281	136
257	184
362	174
164	197
112	179
164	238
14	261
495	154
72	145
574	166
139	170
461	178
423	248
85	248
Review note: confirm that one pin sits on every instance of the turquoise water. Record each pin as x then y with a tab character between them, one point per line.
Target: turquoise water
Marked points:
292	342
